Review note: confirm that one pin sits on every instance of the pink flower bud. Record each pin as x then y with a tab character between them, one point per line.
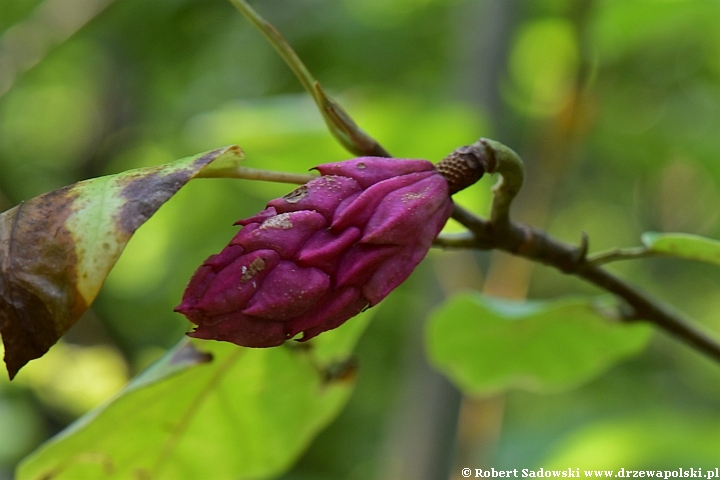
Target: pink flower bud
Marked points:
321	254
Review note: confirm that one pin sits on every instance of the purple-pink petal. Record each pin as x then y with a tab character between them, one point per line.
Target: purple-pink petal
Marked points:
285	233
360	262
242	330
326	247
395	270
259	218
288	291
322	195
399	217
335	307
232	287
361	208
344	305
367	171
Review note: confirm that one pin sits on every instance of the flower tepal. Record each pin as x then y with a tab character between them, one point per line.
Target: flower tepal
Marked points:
321	254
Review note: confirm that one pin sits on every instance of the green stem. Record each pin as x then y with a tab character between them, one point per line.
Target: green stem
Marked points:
616	254
455	240
507	163
257	174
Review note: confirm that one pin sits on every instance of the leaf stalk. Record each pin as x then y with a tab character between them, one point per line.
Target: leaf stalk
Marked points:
247	173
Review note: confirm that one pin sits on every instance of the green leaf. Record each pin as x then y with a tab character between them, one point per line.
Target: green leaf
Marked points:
248	413
486	345
683	245
56	249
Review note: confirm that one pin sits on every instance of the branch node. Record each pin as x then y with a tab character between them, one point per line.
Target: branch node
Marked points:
582	250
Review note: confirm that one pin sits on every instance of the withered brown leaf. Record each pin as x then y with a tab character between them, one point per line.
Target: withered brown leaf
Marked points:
56	249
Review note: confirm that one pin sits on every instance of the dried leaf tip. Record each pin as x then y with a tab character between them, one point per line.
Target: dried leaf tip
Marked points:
465	165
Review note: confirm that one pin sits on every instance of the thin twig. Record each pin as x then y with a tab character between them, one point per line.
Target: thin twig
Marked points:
279	44
616	254
533	244
456	240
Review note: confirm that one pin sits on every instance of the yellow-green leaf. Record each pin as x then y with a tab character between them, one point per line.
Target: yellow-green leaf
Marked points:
683	245
237	413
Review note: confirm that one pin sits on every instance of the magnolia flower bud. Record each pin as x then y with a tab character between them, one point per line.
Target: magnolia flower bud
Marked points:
321	254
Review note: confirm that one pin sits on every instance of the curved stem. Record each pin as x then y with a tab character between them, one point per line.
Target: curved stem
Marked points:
507	163
341	125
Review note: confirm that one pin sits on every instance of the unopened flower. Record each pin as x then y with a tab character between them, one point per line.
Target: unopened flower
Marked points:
321	254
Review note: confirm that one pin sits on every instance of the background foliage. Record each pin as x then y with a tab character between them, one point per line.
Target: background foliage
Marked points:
613	104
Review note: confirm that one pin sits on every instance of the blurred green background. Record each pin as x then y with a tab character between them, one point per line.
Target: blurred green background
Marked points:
613	104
